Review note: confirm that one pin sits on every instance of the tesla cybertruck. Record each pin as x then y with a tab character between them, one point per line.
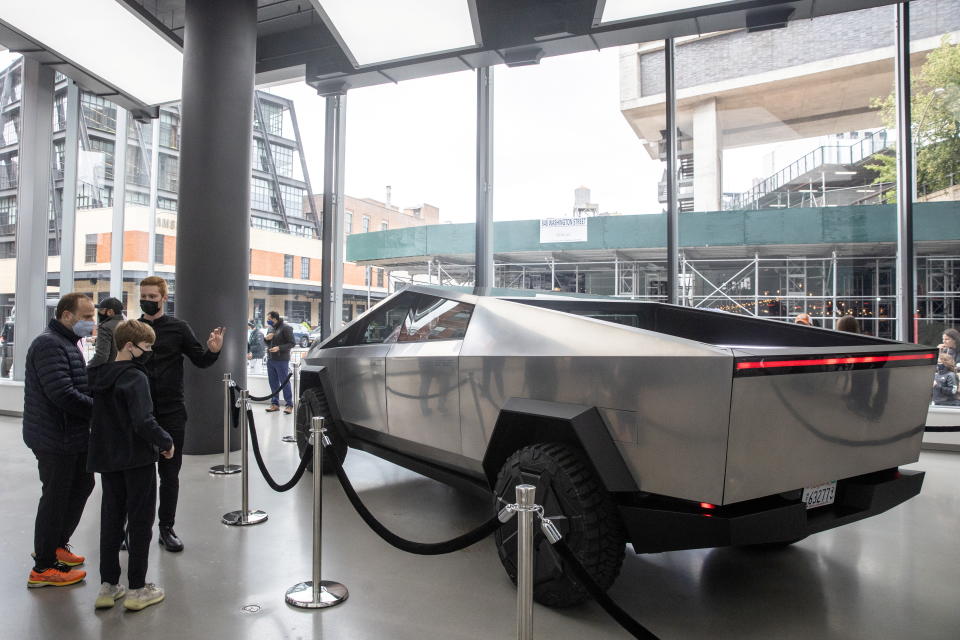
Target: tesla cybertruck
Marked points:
663	426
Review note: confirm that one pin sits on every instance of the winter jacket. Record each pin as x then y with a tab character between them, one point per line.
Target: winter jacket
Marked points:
256	346
175	340
56	403
124	433
283	338
945	386
106	349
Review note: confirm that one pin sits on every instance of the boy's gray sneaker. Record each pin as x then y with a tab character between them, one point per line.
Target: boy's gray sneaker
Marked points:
109	594
139	599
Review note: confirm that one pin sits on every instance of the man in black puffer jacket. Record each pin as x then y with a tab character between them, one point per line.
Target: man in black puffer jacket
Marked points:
56	426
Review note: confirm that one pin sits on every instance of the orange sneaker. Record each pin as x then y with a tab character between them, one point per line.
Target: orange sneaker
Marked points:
69	558
58	575
66	556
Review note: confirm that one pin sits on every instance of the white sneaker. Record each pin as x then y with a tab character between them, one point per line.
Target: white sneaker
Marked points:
109	594
139	599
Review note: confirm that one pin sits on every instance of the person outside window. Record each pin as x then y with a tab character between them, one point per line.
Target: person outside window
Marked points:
945	381
56	426
109	314
280	339
175	341
949	342
256	347
849	324
124	442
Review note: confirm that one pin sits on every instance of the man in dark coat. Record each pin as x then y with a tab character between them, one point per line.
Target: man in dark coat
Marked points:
175	341
56	426
110	314
281	342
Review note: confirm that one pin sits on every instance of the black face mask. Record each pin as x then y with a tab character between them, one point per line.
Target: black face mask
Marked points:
144	357
149	307
102	317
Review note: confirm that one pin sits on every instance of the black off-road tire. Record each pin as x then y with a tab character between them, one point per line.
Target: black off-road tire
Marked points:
574	498
313	403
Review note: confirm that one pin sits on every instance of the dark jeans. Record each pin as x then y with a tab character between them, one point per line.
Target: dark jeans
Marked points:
277	372
66	487
131	496
175	423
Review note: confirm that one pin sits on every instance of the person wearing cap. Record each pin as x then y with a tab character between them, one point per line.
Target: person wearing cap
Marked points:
109	315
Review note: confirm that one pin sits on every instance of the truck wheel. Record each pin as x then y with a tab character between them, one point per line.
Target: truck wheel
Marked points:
313	403
573	497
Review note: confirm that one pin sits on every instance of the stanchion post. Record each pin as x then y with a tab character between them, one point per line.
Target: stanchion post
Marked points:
296	401
226	468
317	594
244	517
525	509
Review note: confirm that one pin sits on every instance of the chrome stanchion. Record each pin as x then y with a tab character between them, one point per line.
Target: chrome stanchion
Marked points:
296	401
244	517
525	509
317	593
226	468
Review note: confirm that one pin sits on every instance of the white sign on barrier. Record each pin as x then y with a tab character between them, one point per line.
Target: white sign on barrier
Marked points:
563	230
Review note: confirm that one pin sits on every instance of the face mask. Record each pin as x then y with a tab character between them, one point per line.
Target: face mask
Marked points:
270	322
103	317
149	307
144	356
83	328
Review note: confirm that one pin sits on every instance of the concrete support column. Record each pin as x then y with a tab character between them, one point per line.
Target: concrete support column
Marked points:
331	263
213	235
673	167
33	206
71	152
483	250
119	204
707	175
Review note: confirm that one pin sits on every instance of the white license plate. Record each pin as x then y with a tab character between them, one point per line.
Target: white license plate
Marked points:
821	495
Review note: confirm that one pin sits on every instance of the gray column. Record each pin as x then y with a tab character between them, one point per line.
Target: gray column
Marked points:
331	276
71	151
213	235
119	204
33	207
707	162
154	184
673	205
905	262
483	251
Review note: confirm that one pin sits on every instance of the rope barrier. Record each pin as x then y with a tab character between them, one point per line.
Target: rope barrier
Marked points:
297	475
419	548
274	392
942	429
582	576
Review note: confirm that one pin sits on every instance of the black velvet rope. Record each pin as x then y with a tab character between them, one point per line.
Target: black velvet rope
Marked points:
419	548
583	577
272	393
304	461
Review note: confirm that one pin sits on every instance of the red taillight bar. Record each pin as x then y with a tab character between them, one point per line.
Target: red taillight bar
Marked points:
772	364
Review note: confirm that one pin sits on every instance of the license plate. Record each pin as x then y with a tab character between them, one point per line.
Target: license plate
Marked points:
820	496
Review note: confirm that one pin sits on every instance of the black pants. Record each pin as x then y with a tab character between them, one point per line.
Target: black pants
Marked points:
175	423
131	496
66	487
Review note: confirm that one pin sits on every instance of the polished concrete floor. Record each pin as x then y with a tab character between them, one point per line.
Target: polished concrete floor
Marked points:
893	576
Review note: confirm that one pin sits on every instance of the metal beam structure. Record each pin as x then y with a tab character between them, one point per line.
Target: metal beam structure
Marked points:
483	253
33	203
71	152
271	165
306	174
906	304
154	194
332	244
119	202
673	205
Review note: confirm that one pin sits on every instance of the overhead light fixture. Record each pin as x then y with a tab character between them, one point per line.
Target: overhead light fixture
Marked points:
104	39
618	10
522	57
376	31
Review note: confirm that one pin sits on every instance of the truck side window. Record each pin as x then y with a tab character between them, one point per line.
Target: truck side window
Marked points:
383	324
436	319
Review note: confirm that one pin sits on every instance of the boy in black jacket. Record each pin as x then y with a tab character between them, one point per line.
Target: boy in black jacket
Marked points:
124	442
